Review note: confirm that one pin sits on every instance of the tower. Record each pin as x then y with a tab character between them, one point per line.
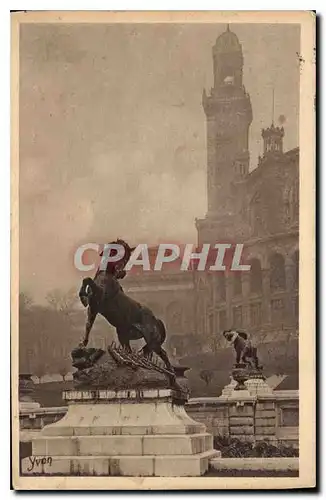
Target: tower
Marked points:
273	140
229	115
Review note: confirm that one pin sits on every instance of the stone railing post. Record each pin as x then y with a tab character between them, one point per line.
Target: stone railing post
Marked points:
265	419
241	419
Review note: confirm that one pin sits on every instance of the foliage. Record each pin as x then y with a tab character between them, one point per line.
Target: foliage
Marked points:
206	376
277	357
46	333
25	301
234	448
62	301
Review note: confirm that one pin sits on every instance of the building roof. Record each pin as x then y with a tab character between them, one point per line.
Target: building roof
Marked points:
227	42
288	157
289	383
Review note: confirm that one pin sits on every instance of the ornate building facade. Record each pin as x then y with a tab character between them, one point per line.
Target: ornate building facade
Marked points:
258	208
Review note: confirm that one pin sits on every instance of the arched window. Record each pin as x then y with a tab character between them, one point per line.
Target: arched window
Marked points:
255	215
237	317
174	317
295	259
210	284
237	283
295	200
291	202
222	323
210	324
287	204
255	276
277	272
221	288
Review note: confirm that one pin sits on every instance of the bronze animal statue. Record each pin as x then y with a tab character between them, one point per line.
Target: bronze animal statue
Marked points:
246	352
104	295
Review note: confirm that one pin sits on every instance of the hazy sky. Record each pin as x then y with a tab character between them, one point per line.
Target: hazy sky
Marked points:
112	132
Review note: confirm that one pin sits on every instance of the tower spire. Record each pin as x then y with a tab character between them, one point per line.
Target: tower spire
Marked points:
273	105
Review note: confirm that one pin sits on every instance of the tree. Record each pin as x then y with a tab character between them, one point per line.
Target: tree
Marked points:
206	376
25	301
63	362
62	301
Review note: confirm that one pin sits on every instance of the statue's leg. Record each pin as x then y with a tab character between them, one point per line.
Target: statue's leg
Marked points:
124	339
146	352
245	355
163	355
238	355
126	346
255	357
91	315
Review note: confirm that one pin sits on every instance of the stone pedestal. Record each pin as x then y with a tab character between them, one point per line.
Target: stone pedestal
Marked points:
122	433
251	406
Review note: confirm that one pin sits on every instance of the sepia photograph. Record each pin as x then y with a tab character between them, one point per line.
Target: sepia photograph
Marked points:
163	169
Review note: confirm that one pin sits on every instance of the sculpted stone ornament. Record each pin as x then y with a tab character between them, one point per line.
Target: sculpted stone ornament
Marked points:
247	363
119	369
246	351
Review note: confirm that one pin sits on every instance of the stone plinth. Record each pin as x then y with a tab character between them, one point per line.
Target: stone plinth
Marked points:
251	402
127	433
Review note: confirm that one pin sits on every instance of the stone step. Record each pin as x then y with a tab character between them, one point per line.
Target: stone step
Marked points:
59	429
186	444
139	418
133	465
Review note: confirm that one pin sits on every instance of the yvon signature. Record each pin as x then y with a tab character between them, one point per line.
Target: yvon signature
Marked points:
36	461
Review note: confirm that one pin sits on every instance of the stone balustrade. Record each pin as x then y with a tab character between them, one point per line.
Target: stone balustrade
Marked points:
271	418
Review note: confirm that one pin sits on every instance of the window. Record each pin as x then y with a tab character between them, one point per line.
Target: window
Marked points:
256	215
174	317
255	276
296	309
287	204
296	270
237	283
277	311
290	417
255	314
237	317
210	284
222	320
291	202
295	200
210	324
277	272
221	289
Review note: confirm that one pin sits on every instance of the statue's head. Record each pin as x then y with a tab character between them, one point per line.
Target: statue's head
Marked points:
117	268
228	335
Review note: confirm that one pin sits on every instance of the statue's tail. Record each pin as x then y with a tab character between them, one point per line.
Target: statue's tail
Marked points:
162	330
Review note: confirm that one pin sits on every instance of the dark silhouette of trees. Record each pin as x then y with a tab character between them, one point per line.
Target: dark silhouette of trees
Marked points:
47	333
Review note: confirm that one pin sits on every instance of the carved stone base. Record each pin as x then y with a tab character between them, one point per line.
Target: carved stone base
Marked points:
246	383
128	433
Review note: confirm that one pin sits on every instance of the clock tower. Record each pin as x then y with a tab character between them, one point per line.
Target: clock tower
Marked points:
229	115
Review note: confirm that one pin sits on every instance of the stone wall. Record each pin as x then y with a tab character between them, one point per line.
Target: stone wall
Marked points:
273	417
